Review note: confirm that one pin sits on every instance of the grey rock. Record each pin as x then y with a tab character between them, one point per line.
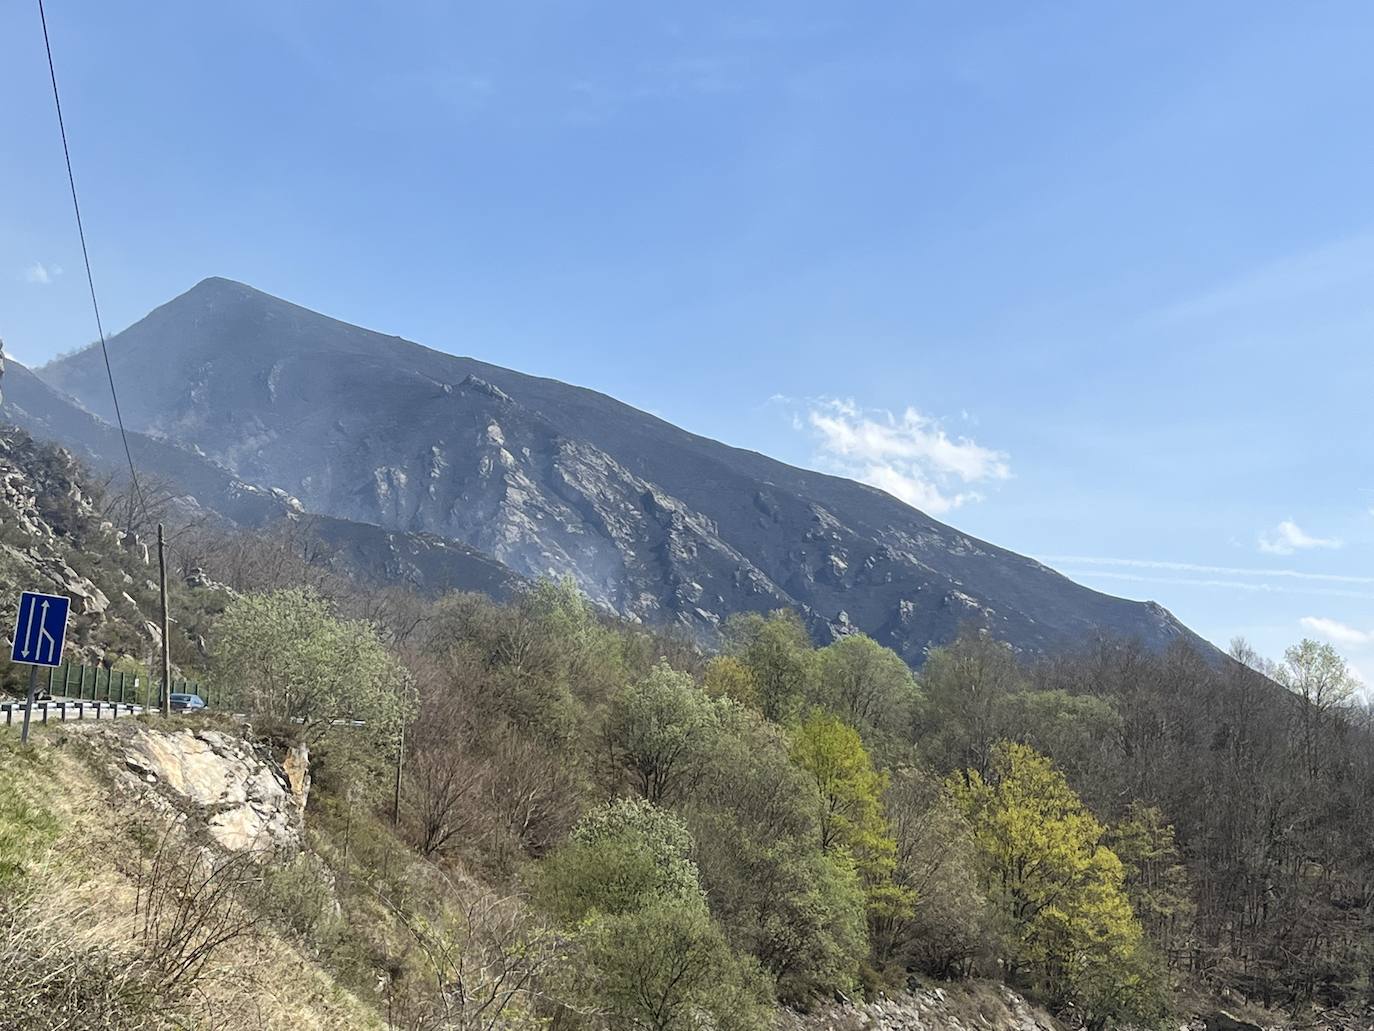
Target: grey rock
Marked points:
1224	1021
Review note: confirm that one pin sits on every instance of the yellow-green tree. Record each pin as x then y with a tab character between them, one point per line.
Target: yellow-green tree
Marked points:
852	820
1056	889
727	677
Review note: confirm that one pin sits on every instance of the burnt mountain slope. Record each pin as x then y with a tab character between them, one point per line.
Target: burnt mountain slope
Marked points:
657	523
378	555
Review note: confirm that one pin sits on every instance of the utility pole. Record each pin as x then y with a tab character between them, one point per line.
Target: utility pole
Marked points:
166	643
400	755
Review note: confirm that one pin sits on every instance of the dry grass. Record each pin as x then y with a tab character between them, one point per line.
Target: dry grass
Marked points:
81	946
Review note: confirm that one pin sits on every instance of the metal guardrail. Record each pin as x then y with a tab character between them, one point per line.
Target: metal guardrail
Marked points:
12	713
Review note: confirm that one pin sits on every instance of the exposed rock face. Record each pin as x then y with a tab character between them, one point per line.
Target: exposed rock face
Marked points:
296	766
981	1007
248	802
656	523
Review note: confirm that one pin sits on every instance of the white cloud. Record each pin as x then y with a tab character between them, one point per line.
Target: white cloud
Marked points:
1289	537
909	455
1336	631
40	274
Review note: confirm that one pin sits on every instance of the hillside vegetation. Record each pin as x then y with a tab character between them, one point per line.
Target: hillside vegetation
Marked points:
602	826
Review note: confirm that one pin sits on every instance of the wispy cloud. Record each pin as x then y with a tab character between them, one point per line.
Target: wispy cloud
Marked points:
1248	586
1192	567
40	274
1289	537
910	455
1337	632
1339	265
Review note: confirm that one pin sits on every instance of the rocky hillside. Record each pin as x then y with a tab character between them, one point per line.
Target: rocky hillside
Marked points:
550	479
152	876
53	538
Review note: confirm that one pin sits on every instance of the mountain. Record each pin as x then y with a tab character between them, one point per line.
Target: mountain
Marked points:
549	479
377	555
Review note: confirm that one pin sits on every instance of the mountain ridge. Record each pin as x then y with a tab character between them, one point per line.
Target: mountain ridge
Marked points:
653	521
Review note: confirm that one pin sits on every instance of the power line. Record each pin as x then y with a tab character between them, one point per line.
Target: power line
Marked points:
136	491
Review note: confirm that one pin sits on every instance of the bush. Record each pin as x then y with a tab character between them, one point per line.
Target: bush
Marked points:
622	857
649	955
667	967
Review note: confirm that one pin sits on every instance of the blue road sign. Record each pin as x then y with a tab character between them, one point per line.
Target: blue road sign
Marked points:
40	629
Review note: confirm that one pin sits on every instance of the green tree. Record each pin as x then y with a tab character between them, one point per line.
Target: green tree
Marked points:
756	818
667	967
937	865
287	657
1156	880
852	822
1057	889
965	685
659	731
1081	732
1318	675
779	656
869	687
651	957
621	857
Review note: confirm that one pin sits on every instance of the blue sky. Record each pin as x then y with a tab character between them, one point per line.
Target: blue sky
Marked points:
1093	282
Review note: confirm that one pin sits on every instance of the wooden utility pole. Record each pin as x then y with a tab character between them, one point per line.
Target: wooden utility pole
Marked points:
166	643
400	755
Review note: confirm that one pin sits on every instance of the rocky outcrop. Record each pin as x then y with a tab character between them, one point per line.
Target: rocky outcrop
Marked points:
958	1007
247	800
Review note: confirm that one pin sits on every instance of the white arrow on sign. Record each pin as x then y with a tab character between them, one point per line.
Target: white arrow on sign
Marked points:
43	632
28	631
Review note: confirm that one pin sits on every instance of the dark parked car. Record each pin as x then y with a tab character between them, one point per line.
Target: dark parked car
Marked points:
187	702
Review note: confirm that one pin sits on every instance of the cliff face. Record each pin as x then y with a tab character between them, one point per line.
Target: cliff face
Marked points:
551	479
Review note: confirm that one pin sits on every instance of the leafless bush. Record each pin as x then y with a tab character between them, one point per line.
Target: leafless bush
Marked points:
487	962
477	784
191	905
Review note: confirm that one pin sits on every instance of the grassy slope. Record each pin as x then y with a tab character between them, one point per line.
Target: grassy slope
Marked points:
71	855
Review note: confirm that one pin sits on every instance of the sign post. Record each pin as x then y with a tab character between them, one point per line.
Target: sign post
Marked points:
40	630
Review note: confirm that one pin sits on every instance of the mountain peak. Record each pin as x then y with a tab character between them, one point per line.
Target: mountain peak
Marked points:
659	524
